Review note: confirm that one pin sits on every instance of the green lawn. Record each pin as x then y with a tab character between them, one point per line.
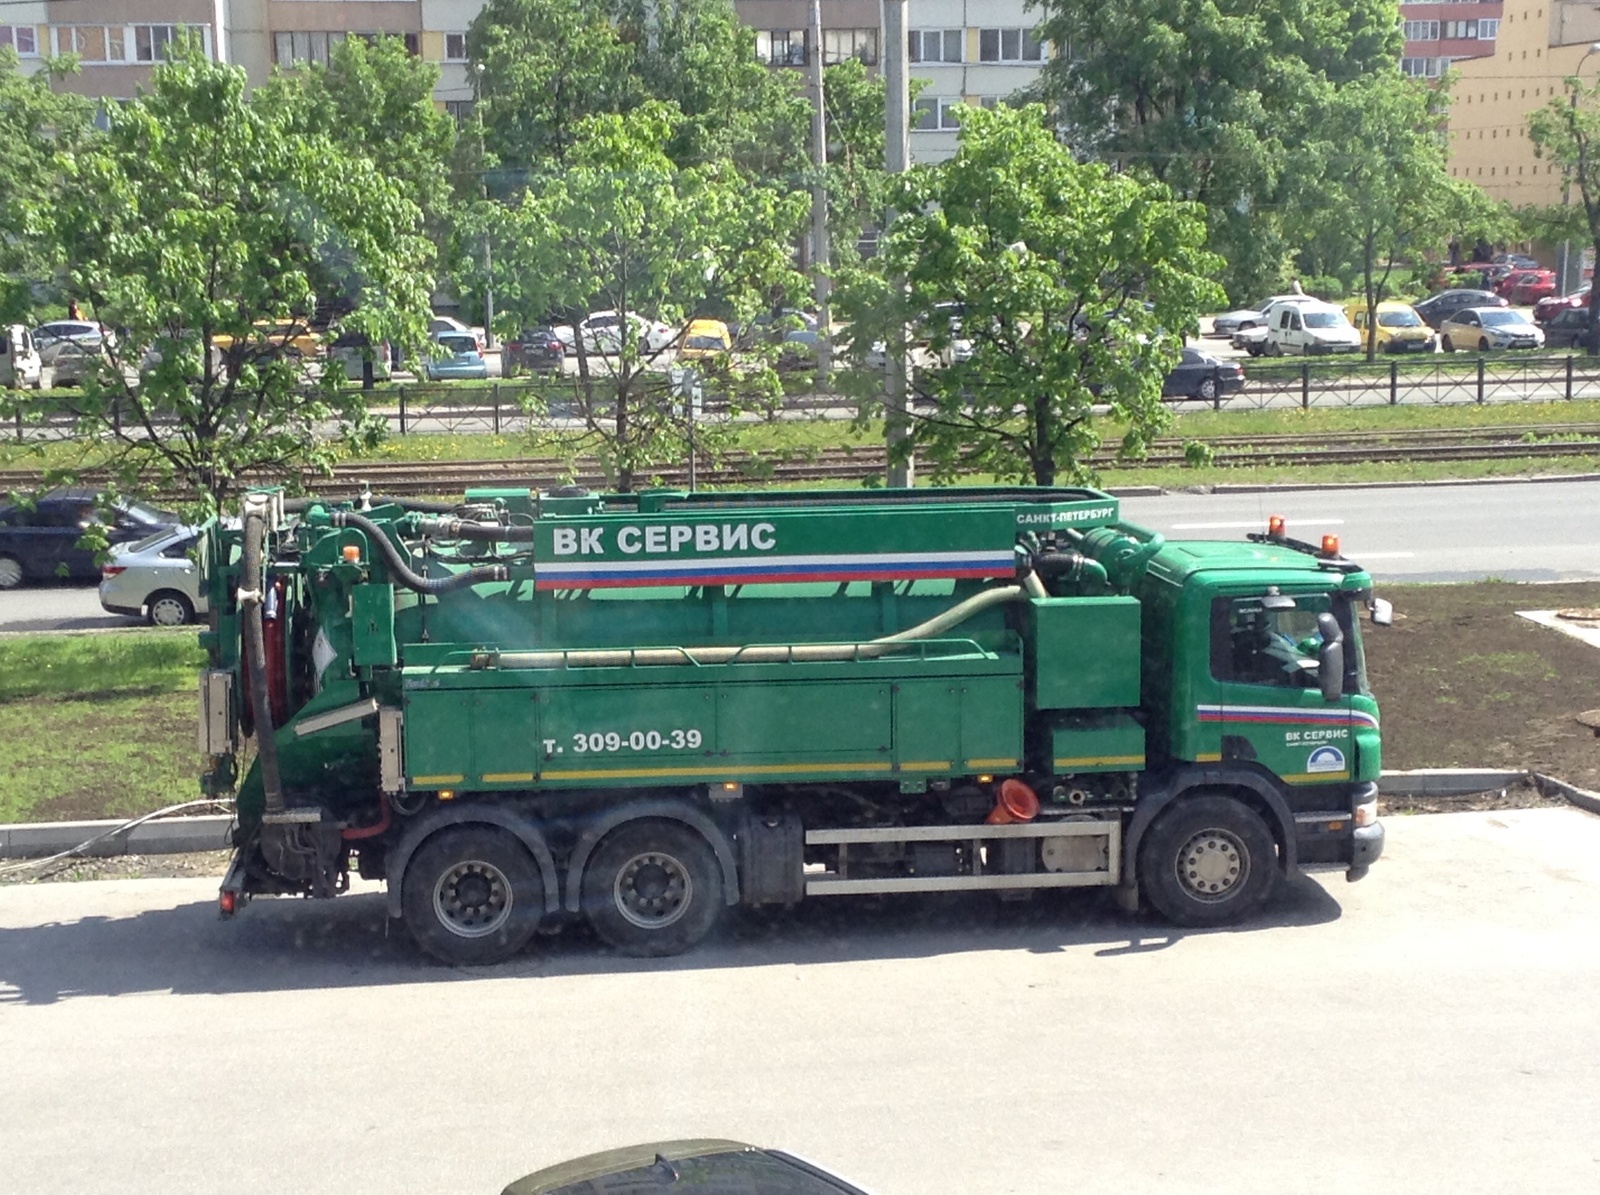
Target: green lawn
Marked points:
97	725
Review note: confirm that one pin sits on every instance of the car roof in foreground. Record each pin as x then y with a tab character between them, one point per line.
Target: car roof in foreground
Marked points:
711	1164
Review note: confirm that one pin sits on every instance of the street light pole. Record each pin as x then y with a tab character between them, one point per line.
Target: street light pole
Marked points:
483	187
819	196
897	160
1593	334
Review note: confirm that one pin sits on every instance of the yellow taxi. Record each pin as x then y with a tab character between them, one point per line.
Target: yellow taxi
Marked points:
1398	328
295	337
704	338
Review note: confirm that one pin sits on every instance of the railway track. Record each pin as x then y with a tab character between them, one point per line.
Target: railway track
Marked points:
413	478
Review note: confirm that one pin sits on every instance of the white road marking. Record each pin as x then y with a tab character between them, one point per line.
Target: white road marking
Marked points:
1253	524
1383	555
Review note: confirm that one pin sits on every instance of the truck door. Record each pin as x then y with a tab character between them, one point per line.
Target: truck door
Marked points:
1268	694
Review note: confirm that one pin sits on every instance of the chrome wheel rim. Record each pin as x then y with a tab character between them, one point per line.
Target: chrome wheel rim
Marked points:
10	574
653	890
1212	865
473	899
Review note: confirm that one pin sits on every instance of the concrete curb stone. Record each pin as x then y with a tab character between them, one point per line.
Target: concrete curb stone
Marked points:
162	836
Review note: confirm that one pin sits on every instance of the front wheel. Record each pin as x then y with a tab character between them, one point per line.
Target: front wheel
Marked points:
653	887
10	572
1483	344
1446	345
1208	860
472	895
1207	390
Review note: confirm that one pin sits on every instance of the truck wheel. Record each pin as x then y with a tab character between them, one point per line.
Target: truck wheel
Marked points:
652	887
1208	861
472	895
10	572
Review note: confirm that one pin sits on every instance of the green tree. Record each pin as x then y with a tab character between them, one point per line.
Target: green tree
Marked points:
1567	132
1373	178
548	64
1076	286
621	227
1213	98
39	124
204	228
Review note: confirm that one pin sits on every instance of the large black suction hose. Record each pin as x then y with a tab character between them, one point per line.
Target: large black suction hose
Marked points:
403	571
251	596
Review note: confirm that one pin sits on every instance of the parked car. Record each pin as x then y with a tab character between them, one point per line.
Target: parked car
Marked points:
1568	329
352	350
154	578
602	333
293	338
1486	328
462	358
704	338
1440	307
712	1166
1546	309
1526	287
1310	329
69	361
1397	329
449	323
800	350
1202	375
1230	323
39	539
73	329
537	349
772	326
19	358
1517	261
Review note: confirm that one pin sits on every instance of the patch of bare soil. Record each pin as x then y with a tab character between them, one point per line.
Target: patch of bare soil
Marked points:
1463	682
123	867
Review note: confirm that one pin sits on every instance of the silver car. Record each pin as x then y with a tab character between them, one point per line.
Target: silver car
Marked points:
154	578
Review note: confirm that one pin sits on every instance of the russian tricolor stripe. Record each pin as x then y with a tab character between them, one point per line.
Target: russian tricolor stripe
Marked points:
757	570
1263	715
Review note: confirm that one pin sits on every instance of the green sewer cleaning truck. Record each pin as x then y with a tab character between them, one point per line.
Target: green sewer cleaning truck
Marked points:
639	709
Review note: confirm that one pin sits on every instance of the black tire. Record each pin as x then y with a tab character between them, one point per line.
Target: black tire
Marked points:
1206	391
12	574
1483	344
1208	860
1445	344
169	608
472	895
652	887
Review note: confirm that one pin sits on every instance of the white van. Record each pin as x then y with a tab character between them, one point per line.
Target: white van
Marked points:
1315	327
19	359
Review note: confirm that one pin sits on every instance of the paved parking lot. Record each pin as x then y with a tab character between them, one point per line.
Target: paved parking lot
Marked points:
1428	1029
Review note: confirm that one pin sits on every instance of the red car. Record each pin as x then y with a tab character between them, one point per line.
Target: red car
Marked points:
1525	287
1546	309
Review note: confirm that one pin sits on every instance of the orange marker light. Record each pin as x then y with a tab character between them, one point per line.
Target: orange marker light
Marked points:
1330	545
352	553
1275	526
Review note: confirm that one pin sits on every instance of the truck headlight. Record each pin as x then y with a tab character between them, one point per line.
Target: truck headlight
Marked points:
1367	813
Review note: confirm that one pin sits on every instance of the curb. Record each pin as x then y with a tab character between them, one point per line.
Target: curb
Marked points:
1581	797
170	836
1447	782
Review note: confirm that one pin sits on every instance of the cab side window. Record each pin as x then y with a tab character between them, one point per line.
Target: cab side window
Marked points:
1256	646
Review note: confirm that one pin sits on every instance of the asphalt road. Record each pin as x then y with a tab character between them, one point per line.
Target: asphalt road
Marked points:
1519	531
1426	1030
57	606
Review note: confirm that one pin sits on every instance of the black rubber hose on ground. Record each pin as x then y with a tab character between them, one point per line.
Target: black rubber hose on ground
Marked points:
402	570
252	597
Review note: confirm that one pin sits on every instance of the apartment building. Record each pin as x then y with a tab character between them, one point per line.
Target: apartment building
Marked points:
1540	44
1440	34
967	51
116	44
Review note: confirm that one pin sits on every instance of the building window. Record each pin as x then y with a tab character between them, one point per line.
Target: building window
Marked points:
153	43
459	110
24	39
1422	30
934	116
297	49
1421	68
1009	45
838	45
936	45
1461	30
455	47
781	47
1488	30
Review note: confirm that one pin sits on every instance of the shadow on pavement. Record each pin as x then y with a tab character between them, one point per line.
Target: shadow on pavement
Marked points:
291	944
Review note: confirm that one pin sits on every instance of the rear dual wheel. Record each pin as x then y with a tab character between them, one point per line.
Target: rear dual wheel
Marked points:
653	887
472	895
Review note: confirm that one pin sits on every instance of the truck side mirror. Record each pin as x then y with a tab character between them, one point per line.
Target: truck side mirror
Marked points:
1330	660
1382	612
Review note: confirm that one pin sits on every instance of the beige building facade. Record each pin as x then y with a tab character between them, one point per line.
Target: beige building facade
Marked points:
1540	45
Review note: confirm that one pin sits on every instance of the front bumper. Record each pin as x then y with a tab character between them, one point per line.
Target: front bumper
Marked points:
1365	851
